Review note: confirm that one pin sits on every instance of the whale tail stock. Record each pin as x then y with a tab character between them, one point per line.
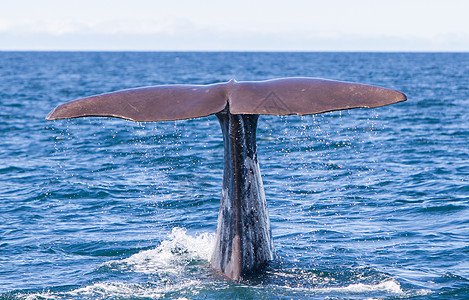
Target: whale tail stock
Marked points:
243	238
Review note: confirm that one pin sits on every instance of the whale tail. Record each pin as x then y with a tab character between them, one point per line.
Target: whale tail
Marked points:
243	239
288	96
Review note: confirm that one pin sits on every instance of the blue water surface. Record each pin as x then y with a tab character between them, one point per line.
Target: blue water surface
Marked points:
364	204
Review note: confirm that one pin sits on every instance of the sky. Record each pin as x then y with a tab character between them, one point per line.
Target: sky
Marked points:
237	25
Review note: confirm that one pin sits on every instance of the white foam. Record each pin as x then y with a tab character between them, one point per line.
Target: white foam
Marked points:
171	255
45	295
390	286
169	258
119	290
128	290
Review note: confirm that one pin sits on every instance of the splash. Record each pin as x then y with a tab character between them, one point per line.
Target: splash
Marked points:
179	269
171	256
177	265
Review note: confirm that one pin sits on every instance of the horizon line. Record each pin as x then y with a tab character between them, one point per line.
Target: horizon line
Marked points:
235	51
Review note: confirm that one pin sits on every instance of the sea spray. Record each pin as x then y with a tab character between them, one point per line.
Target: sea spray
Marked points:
171	256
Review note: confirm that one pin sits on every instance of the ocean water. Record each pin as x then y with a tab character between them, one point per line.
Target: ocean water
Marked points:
364	204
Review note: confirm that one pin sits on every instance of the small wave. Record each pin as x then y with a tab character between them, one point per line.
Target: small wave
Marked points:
386	288
390	286
314	283
128	290
115	290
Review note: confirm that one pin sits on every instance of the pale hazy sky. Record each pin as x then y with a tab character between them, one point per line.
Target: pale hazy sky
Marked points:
253	25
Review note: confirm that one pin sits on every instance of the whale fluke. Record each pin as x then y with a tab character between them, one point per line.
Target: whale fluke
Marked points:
155	103
287	96
243	239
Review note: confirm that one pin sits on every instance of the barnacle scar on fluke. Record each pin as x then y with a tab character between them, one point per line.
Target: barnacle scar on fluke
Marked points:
243	238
